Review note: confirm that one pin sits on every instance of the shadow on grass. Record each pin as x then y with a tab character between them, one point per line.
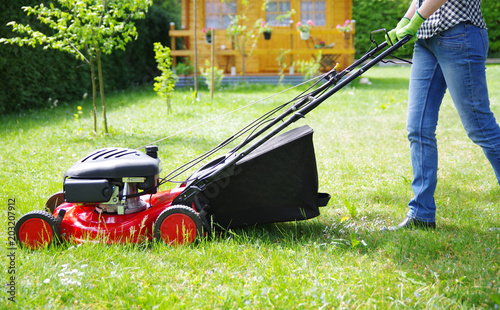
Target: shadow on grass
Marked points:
65	112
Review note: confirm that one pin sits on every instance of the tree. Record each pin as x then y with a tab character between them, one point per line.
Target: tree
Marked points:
165	82
240	33
85	28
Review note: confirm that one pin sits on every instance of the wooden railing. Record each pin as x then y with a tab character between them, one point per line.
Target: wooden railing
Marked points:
342	52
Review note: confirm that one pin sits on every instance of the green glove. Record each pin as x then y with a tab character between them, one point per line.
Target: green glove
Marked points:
391	37
411	28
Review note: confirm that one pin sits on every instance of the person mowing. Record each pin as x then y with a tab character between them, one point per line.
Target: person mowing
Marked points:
451	46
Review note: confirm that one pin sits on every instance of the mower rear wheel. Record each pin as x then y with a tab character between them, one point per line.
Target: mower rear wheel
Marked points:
54	201
177	225
37	229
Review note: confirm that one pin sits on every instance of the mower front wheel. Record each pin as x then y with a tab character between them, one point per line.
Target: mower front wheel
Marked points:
37	229
178	225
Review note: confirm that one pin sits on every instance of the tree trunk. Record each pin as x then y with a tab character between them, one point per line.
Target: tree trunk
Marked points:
94	94
195	50
101	89
243	63
169	105
212	65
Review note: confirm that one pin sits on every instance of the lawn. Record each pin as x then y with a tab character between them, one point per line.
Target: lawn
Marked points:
339	260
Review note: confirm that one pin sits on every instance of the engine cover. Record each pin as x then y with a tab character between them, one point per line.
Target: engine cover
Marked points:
103	168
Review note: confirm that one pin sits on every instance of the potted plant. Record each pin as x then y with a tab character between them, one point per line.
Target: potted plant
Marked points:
304	29
208	34
266	30
346	29
321	44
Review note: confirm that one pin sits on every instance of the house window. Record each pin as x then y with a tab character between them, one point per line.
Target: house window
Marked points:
218	14
314	10
275	9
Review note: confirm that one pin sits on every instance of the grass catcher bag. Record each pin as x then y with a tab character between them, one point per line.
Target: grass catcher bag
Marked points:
277	182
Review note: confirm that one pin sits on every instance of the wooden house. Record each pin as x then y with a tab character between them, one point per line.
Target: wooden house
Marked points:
261	55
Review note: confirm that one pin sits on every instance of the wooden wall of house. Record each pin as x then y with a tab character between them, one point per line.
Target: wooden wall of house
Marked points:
263	58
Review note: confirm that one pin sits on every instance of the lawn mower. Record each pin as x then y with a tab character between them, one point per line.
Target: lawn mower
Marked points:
112	195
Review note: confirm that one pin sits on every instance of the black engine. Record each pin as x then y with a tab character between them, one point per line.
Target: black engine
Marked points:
113	178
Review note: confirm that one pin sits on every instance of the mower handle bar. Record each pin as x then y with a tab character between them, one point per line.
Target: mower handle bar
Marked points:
334	78
299	110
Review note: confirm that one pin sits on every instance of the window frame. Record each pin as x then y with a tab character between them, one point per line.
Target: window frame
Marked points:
313	13
220	15
274	22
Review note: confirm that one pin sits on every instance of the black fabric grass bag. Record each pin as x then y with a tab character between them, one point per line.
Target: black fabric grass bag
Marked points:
277	182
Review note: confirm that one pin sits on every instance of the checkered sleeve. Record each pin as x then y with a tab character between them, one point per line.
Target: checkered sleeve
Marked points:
450	14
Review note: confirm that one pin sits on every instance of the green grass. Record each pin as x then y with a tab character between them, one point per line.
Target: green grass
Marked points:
339	260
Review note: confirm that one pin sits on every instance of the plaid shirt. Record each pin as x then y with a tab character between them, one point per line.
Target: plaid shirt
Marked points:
450	14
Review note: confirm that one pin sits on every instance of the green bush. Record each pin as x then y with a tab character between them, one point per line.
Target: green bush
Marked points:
491	13
309	68
218	75
376	14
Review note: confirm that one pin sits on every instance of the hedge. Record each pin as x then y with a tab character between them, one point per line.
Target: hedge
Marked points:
35	78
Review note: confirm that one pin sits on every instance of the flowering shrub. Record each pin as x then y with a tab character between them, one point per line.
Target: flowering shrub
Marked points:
347	27
304	27
238	28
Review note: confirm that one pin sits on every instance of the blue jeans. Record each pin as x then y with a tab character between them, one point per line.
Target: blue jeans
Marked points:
455	60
